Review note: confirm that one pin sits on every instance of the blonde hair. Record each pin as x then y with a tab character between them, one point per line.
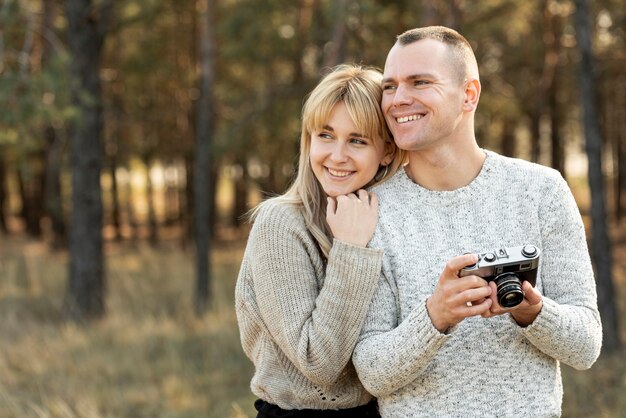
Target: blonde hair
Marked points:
359	88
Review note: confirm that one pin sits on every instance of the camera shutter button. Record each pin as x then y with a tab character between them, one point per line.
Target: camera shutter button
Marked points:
529	251
490	257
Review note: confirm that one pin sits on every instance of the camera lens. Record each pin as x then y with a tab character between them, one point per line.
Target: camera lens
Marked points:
509	290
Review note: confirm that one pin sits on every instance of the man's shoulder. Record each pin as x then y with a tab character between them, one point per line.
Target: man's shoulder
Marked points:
391	185
523	169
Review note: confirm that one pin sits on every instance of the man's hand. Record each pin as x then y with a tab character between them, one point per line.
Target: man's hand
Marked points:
524	313
456	298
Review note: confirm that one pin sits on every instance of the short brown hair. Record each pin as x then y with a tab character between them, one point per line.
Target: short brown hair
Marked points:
464	60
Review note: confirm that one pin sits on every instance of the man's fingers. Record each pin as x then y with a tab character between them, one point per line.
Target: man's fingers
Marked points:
454	265
531	294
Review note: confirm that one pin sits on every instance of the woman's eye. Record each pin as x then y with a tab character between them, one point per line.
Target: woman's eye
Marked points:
358	141
325	135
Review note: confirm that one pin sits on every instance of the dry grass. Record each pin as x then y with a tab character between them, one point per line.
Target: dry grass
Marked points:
150	357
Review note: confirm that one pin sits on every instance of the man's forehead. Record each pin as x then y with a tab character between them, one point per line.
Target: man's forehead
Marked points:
423	56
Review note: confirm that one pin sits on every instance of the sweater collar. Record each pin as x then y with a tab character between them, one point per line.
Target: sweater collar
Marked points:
474	190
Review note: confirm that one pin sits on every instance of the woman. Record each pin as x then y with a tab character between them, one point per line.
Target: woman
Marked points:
307	277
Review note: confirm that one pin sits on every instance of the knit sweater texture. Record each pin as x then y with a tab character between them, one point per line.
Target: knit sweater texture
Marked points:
300	315
480	367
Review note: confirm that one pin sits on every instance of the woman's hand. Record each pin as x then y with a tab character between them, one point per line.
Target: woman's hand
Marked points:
352	218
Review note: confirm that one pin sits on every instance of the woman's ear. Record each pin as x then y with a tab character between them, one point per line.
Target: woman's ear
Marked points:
472	94
390	150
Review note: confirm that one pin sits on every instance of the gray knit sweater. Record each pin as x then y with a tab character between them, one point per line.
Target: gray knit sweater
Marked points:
481	367
300	316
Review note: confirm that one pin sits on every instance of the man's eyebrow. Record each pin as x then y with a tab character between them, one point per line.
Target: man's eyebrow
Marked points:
411	77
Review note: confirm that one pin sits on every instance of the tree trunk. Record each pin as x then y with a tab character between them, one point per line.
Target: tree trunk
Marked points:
556	117
153	234
131	217
615	126
428	15
509	142
202	171
115	198
240	198
3	195
558	151
336	48
31	181
600	240
87	24
53	144
550	61
52	188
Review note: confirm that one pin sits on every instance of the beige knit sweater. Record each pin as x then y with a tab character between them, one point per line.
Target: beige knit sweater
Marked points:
299	315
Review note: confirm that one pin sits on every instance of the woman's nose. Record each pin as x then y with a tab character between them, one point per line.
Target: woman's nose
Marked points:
339	152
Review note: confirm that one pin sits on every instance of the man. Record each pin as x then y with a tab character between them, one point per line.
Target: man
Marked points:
437	342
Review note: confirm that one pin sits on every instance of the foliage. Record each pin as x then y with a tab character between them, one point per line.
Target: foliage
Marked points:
32	95
271	55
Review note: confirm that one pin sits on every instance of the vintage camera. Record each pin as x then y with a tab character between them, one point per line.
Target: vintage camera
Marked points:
508	268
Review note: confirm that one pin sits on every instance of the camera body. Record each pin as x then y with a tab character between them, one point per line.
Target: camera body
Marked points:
508	268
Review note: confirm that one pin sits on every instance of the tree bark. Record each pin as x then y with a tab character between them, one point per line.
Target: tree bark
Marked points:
202	171
3	194
336	48
87	25
53	144
115	197
600	240
509	141
31	185
153	233
558	149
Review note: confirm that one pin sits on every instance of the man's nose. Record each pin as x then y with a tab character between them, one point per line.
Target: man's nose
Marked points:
401	96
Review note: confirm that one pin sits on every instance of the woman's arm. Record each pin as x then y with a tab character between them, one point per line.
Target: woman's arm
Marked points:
316	326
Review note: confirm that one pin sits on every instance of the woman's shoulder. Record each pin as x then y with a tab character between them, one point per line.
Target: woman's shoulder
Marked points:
277	213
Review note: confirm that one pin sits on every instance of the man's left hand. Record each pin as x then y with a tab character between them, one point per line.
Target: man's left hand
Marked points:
524	313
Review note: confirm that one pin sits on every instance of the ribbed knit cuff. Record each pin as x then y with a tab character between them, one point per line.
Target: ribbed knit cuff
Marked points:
359	267
546	322
355	250
352	274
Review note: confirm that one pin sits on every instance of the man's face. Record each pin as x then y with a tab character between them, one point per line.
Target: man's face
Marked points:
422	95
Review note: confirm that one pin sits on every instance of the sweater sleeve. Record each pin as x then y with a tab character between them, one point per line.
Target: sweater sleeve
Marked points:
388	356
316	328
568	328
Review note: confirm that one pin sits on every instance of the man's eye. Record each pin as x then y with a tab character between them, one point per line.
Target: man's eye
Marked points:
421	82
389	87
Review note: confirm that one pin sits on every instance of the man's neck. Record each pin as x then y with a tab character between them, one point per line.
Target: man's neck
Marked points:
445	167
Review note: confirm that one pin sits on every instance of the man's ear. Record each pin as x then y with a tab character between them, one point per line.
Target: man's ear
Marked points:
472	94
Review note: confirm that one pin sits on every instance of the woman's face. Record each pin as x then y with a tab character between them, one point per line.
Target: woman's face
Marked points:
342	158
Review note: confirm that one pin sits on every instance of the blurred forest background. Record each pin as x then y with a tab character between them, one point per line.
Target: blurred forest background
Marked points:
135	133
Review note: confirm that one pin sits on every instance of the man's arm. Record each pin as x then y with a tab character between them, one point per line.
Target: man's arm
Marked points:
388	356
568	327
